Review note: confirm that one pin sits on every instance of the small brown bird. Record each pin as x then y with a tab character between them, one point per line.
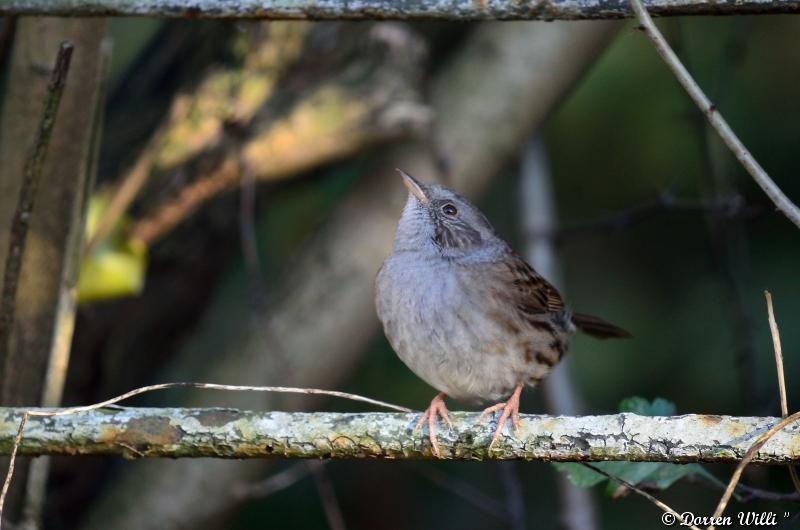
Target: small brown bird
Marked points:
465	312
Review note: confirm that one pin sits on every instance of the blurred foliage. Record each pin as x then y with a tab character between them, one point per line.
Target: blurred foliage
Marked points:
116	267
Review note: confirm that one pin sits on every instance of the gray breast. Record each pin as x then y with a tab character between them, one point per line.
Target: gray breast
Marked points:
446	323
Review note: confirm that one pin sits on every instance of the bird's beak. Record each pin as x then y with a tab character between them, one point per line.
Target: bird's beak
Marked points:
414	187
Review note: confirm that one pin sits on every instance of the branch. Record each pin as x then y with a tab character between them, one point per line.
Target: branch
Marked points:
31	178
275	118
233	433
782	202
390	9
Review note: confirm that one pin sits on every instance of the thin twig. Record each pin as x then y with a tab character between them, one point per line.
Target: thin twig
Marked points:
21	222
776	343
228	388
751	453
64	322
643	493
10	473
726	496
164	386
27	196
781	201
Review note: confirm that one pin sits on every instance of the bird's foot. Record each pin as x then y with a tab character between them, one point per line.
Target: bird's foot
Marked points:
435	410
510	410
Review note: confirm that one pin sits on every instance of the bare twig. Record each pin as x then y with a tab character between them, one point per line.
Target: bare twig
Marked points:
748	457
643	494
64	326
781	201
10	473
27	196
32	175
726	496
164	386
215	386
776	343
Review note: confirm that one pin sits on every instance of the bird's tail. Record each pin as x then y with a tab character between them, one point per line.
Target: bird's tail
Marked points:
598	328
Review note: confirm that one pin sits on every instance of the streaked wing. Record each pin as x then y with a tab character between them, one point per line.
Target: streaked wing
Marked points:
531	293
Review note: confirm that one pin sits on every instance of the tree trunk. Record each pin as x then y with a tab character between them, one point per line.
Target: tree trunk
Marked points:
56	223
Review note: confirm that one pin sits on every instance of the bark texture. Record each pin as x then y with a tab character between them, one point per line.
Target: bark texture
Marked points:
390	9
232	433
43	313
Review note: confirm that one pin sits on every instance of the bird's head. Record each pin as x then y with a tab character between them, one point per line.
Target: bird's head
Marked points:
438	220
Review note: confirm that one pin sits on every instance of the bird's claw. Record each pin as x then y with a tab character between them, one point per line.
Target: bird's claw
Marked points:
510	411
437	409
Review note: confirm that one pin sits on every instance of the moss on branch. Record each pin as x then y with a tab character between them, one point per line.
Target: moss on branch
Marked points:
232	433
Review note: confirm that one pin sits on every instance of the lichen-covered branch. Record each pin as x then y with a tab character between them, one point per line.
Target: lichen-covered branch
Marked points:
390	9
233	433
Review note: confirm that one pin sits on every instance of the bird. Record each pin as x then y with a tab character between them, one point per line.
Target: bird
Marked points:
466	313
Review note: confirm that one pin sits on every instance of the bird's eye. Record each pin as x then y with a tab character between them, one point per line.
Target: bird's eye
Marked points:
449	209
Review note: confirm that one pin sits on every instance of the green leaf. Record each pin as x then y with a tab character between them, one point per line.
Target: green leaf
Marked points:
661	475
639	405
667	474
580	475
